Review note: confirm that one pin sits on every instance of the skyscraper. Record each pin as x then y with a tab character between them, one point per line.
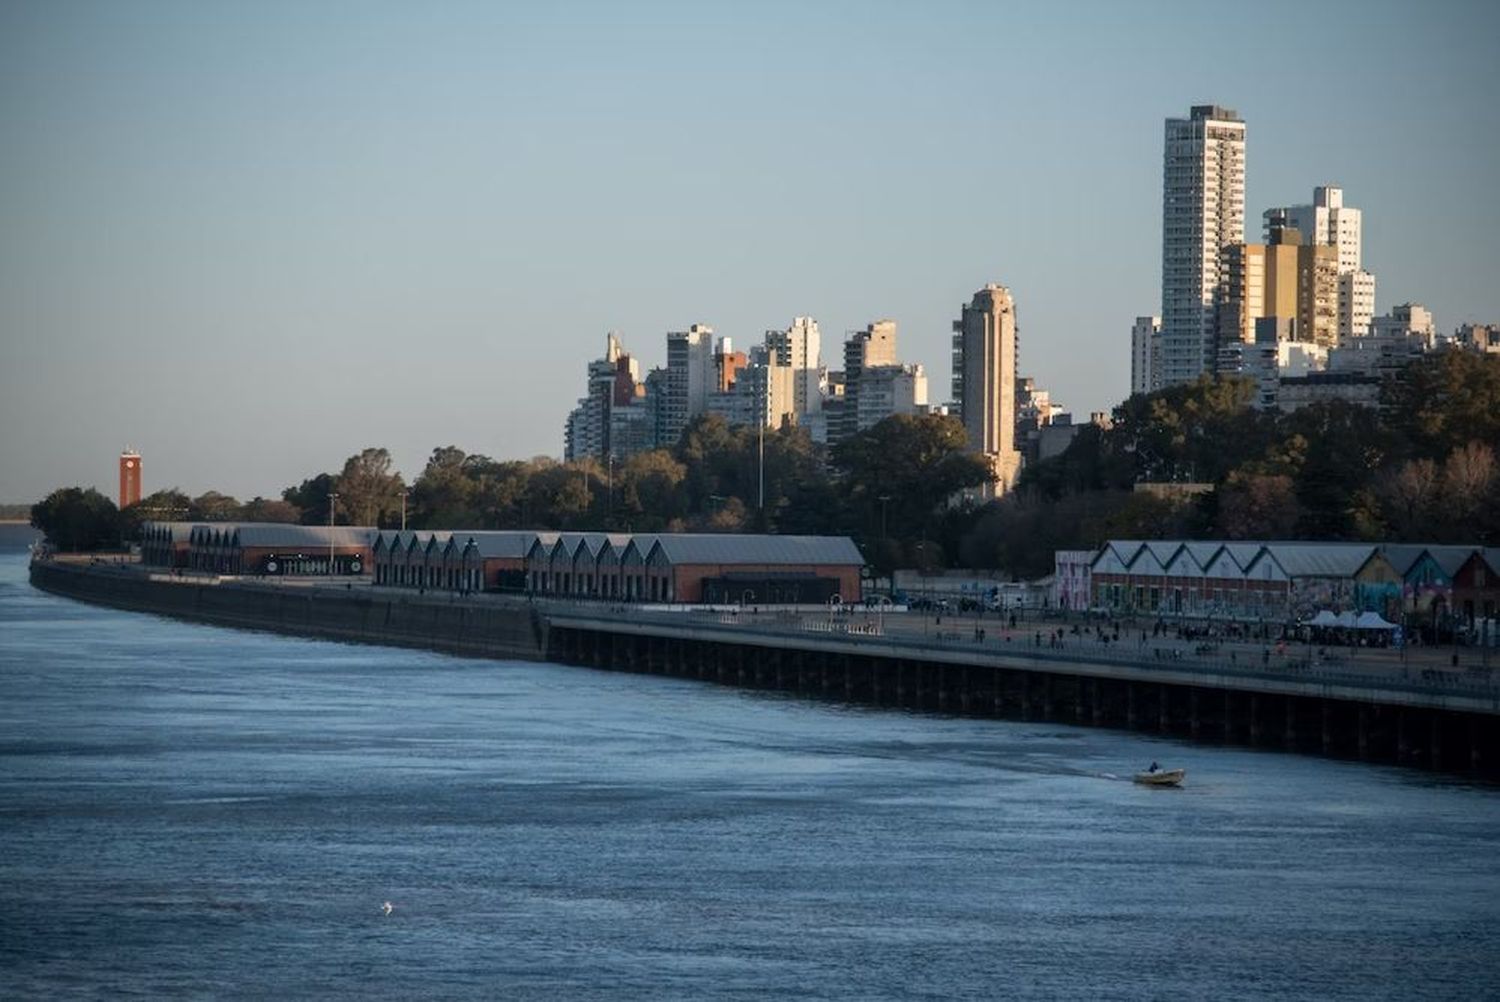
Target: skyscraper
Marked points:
1145	354
691	374
799	347
1203	213
984	381
1328	222
867	349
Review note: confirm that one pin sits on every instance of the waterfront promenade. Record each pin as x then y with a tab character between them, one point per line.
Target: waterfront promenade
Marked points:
1360	703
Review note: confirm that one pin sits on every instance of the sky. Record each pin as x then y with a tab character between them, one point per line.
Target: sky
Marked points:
252	239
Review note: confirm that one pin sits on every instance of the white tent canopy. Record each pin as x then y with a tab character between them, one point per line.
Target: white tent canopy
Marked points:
1324	618
1373	621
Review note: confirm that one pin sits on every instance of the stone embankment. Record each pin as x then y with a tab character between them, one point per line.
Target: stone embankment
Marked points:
492	628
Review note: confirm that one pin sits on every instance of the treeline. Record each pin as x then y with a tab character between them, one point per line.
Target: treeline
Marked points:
888	487
1421	468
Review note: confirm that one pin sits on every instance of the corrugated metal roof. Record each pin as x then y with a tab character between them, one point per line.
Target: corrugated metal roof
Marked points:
1450	558
1320	560
1404	556
169	530
278	534
497	543
1201	553
727	548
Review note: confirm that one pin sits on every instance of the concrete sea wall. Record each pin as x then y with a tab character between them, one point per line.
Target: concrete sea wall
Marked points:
490	629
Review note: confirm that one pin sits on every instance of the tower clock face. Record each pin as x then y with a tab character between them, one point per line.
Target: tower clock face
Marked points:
129	464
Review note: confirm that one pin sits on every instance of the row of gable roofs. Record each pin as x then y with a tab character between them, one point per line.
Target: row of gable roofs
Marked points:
675	548
485	543
710	549
276	535
1294	560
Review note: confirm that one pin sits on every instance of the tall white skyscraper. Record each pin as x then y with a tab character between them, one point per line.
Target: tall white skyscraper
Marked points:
691	374
1330	223
1145	354
799	347
1203	213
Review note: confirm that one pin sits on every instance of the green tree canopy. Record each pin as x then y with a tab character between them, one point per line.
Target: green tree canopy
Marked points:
369	492
75	519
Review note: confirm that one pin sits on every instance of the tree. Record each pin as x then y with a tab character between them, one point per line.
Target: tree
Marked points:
367	488
310	498
1335	452
211	506
170	505
76	519
1409	499
1468	484
1444	400
648	490
561	496
443	495
898	475
259	509
1258	506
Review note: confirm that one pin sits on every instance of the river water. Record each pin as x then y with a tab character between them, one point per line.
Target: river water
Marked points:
192	811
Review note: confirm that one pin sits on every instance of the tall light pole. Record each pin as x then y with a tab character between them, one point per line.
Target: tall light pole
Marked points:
403	509
762	477
333	503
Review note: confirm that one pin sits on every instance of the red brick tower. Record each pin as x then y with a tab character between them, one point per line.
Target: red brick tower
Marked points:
130	477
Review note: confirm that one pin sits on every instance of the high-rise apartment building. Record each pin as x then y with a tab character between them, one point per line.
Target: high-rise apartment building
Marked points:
1406	319
865	350
691	374
1145	354
1328	222
612	404
1203	214
1284	279
1356	303
130	478
727	365
799	348
984	381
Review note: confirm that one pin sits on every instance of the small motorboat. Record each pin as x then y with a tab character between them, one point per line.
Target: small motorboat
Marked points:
1161	777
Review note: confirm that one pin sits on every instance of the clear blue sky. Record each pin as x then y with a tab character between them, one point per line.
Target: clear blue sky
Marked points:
251	239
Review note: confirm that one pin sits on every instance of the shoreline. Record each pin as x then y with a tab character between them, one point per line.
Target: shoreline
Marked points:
1440	728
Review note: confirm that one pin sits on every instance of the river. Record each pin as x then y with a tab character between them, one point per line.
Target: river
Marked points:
188	811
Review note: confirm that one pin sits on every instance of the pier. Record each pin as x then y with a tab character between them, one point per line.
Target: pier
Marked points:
1441	720
1377	710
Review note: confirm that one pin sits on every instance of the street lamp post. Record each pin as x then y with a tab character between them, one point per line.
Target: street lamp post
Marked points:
403	509
333	502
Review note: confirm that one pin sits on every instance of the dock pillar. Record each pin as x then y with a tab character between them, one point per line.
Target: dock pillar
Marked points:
1364	733
1130	705
1327	728
1254	719
1291	723
1476	759
1195	727
1164	708
1403	741
1096	711
1434	741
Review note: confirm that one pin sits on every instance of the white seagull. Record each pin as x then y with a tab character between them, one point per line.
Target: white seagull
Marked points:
387	907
